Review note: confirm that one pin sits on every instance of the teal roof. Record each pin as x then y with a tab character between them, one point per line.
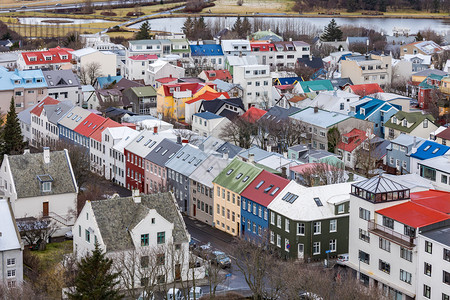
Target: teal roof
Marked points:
316	85
237	175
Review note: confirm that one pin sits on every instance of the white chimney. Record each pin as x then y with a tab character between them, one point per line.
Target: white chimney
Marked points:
269	148
225	155
251	157
46	155
136	196
26	151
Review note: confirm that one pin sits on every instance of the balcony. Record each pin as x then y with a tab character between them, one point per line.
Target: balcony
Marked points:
391	235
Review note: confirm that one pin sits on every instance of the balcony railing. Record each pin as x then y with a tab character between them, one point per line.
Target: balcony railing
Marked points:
391	235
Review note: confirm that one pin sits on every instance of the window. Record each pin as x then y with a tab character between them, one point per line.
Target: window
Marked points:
11	273
332	245
279	221
160	259
272	218
425	123
446	255
427	269
144	261
388	222
405	276
46	186
10	261
272	237
446	277
444	178
385	244
144	239
364	257
79	230
341	106
364	214
278	240
406	254
300	228
286	225
88	236
333	225
426	291
384	266
341	208
316	248
364	235
317	227
428	247
445	297
161	237
409	231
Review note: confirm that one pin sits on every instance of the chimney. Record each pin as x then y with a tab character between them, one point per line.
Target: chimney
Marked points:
269	148
201	147
26	151
46	155
285	154
136	196
310	57
184	142
179	140
225	155
251	157
316	109
414	148
290	39
283	172
240	53
155	129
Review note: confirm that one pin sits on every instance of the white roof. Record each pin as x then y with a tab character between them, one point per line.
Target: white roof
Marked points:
151	123
276	162
126	139
441	163
412	181
426	58
141	146
304	208
158	64
8	238
84	51
228	45
242	61
120	132
329	99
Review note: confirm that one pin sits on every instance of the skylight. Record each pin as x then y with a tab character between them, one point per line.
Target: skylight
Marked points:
209	169
318	202
139	139
427	147
164	152
157	149
229	171
198	161
179	154
186	157
192	159
69	115
435	150
259	184
245	179
274	191
171	155
152	144
147	142
239	176
290	198
266	190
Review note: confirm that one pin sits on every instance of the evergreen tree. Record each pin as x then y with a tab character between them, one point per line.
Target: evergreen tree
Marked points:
202	29
332	32
246	27
188	28
95	279
237	27
11	136
419	37
144	32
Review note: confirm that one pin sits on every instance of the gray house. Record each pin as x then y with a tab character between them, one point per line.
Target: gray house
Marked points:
179	168
64	85
399	151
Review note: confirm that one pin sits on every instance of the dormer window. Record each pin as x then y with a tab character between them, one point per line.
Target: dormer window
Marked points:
48	58
33	58
394	120
64	57
16	81
345	139
46	182
363	111
405	123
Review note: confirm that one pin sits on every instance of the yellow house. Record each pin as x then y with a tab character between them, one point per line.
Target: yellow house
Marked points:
171	98
445	85
228	186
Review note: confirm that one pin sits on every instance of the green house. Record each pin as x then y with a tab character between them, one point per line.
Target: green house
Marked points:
307	222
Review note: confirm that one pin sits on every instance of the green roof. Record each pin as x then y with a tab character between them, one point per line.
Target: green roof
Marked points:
144	91
436	76
316	85
237	175
412	117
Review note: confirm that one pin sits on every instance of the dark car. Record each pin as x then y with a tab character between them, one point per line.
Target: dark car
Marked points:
221	259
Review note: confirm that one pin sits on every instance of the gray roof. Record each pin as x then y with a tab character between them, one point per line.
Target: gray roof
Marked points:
428	72
225	86
57	111
116	217
166	149
212	144
186	160
61	78
258	153
26	167
380	184
25	116
209	169
440	235
229	148
9	56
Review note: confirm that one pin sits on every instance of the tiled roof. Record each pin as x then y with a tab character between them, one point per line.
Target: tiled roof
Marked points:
26	167
37	110
118	216
264	188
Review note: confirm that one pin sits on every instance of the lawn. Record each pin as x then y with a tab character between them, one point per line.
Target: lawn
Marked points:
54	252
250	6
61	30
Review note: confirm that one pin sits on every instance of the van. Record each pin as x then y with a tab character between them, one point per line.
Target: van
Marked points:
174	294
198	292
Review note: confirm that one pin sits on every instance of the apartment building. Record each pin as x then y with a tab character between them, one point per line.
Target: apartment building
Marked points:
137	65
256	83
53	58
367	69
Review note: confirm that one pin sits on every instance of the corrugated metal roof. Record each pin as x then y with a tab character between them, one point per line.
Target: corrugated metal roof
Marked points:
237	175
186	160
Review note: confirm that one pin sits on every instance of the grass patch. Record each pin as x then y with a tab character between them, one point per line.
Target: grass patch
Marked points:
250	7
59	31
127	35
54	252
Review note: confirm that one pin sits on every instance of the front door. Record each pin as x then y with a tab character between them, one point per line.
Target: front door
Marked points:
301	250
177	272
194	211
45	209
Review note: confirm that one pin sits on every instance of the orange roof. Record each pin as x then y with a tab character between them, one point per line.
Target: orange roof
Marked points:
355	138
97	134
218	74
167	79
413	214
297	98
366	89
253	114
37	110
208	95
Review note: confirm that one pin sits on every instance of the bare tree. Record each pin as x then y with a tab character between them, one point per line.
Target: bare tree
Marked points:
333	137
36	231
240	132
215	278
366	157
89	73
283	133
24	291
79	158
322	174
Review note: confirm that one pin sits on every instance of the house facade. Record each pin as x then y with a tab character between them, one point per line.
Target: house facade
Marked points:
256	83
414	123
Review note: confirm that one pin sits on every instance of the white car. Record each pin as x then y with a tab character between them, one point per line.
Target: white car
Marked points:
174	294
198	292
144	296
342	259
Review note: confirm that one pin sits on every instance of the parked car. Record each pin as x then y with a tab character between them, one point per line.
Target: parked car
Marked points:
68	235
221	259
342	259
203	250
144	296
198	292
23	7
58	4
174	294
192	244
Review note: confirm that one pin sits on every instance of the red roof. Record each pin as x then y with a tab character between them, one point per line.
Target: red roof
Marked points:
130	125
97	134
167	79
284	86
413	214
366	89
268	179
253	114
89	124
37	110
262	46
438	200
144	57
218	74
445	134
355	138
185	86
54	56
208	95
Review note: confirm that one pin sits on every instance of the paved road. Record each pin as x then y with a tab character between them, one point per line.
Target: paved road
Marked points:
202	234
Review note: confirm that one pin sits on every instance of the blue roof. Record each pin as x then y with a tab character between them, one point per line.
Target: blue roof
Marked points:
370	106
430	149
206	50
289	80
104	81
207	115
27	79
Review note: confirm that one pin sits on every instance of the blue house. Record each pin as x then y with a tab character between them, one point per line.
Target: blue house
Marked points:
67	125
427	150
399	151
286	80
208	55
374	110
255	199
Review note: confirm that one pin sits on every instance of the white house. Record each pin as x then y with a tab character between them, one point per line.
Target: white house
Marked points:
118	138
137	65
11	247
236	47
41	185
145	224
337	101
436	169
209	124
256	83
63	85
87	56
162	69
